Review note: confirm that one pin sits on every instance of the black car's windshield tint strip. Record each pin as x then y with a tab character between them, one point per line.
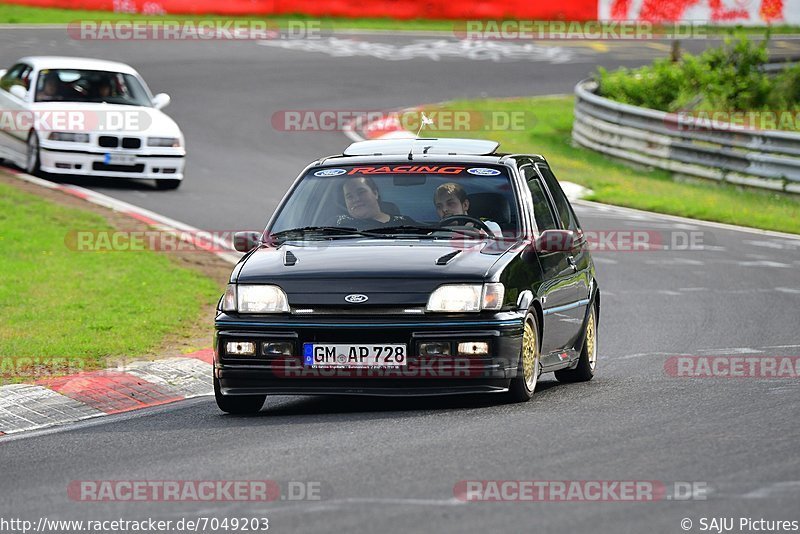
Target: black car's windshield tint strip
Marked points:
406	228
324	230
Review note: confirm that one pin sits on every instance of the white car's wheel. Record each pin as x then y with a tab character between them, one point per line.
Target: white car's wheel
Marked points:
168	184
32	161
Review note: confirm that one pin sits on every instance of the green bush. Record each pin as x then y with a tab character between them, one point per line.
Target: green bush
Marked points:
726	78
786	93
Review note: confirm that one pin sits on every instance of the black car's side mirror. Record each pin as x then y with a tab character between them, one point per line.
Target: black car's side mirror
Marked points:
246	241
555	241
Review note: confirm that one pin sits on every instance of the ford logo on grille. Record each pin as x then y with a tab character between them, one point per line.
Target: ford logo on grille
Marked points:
356	298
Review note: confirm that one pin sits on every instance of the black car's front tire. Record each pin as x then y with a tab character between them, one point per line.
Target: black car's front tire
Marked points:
523	386
587	363
239	404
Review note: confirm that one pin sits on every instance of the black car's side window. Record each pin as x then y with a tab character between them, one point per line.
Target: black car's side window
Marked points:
565	214
541	207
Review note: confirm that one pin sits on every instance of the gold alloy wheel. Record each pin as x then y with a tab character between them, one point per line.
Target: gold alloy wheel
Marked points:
591	340
530	357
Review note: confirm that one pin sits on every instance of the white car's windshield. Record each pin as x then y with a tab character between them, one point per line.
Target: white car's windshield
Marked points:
72	85
404	198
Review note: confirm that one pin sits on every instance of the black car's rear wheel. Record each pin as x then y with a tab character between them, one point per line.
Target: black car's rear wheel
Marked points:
523	386
588	360
239	404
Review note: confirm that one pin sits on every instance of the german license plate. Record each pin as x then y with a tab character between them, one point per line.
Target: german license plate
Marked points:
120	159
348	355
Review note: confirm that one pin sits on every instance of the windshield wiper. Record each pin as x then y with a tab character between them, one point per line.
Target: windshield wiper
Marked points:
412	229
322	230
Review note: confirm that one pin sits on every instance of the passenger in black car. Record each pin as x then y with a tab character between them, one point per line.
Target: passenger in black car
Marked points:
363	202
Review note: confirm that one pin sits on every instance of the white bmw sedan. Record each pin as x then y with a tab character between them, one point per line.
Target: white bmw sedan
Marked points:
87	117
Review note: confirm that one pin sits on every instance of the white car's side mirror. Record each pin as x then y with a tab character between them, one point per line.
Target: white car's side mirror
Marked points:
161	100
18	91
3	72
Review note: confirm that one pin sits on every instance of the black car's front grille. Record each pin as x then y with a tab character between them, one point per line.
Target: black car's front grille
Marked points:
131	142
365	311
97	166
108	141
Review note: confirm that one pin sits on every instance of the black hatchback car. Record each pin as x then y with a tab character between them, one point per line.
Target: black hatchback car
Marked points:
410	267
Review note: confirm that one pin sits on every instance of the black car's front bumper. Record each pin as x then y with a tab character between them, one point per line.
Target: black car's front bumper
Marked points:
442	375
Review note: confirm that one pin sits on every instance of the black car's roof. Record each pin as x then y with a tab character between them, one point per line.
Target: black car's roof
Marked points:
403	151
493	159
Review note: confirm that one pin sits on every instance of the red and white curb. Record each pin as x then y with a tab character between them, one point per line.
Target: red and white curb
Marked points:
139	384
68	399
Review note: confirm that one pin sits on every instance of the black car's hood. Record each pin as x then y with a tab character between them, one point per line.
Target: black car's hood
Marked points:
401	271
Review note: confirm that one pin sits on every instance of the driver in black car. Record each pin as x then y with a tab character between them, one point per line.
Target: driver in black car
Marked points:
450	199
363	202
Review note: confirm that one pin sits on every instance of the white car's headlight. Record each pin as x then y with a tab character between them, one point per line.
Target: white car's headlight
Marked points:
466	298
172	142
255	299
69	136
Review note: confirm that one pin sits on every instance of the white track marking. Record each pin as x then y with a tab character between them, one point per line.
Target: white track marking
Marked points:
645	215
433	49
729	351
789	290
764	263
768	492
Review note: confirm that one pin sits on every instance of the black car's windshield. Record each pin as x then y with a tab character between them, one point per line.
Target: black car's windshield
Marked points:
403	199
74	85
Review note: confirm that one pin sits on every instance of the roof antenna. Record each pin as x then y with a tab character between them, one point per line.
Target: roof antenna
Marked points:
426	121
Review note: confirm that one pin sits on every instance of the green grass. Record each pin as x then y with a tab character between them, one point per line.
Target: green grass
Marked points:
61	305
14	14
615	183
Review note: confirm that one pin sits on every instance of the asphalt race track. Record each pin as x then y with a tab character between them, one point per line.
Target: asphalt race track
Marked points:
391	465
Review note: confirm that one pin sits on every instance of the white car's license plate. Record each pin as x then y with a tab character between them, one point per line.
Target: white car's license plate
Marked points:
348	355
120	159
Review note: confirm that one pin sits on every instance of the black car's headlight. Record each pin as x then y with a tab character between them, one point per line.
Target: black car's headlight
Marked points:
255	299
466	298
69	136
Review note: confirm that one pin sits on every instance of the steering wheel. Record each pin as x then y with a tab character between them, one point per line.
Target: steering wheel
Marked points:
455	219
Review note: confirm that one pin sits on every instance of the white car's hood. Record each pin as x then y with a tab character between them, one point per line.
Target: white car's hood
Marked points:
93	117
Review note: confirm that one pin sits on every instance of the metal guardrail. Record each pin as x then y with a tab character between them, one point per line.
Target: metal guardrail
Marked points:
686	145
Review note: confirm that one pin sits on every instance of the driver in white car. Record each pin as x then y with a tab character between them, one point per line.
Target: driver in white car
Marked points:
451	199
